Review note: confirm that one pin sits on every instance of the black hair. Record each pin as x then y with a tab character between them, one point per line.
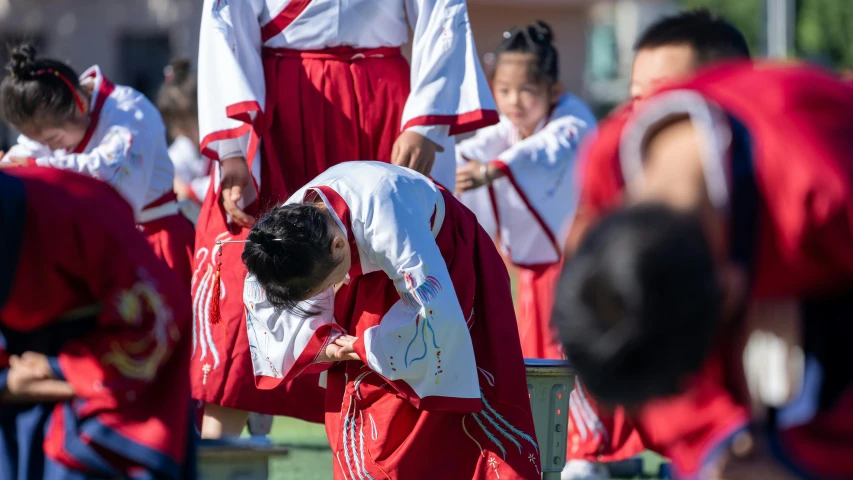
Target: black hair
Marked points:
639	304
711	37
289	251
177	99
536	39
37	89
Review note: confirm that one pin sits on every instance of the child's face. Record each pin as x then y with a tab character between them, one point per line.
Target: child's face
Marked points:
655	67
64	136
518	97
340	251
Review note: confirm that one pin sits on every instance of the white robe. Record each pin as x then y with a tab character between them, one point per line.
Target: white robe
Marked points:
447	80
537	198
127	147
390	210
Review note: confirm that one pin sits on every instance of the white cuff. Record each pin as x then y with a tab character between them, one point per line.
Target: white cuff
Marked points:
231	148
436	133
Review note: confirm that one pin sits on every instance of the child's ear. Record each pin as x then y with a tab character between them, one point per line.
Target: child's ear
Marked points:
339	245
556	91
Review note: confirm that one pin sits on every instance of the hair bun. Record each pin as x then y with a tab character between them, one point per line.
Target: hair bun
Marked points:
21	60
542	32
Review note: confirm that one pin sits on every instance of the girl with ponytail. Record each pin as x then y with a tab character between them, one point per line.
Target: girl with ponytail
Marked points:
517	176
110	132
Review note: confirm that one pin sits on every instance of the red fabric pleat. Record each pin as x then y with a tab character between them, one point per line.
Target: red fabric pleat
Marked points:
536	291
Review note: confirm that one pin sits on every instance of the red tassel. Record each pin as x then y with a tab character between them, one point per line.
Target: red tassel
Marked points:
215	316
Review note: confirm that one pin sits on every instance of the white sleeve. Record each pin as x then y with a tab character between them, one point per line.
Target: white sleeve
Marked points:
423	339
117	160
549	148
448	86
435	133
27	148
283	344
231	87
485	145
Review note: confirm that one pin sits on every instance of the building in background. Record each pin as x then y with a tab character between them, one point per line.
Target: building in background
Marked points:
132	40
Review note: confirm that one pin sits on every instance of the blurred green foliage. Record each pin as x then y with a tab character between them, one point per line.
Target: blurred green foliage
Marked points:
824	27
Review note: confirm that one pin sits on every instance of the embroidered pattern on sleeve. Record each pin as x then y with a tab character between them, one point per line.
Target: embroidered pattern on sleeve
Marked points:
117	150
140	359
420	296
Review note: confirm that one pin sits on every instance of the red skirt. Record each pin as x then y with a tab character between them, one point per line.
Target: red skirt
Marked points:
375	433
172	240
322	108
537	286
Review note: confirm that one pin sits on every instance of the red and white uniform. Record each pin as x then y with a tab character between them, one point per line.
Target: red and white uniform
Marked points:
125	146
530	209
801	168
440	388
297	86
79	284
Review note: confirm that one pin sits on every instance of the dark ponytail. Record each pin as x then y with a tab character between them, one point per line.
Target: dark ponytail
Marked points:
177	99
289	251
536	39
38	89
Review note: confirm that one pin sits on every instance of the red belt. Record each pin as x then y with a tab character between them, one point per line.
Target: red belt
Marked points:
341	54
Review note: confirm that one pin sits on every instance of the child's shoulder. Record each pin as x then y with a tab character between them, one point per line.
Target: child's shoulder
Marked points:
128	106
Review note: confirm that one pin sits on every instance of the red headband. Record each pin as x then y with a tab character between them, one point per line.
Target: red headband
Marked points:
50	71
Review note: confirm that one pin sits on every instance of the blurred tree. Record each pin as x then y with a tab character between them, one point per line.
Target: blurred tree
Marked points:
825	31
746	15
824	27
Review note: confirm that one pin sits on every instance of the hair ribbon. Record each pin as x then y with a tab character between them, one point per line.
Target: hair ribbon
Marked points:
50	71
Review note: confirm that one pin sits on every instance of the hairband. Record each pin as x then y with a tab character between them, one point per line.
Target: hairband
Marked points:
50	71
539	37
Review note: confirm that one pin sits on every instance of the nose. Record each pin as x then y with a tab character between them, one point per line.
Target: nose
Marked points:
514	97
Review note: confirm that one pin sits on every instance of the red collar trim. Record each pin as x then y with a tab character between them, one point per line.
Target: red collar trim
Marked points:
334	201
103	89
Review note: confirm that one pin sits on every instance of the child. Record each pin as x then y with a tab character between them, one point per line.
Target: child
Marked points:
375	264
757	185
669	50
94	337
178	104
288	89
110	132
517	176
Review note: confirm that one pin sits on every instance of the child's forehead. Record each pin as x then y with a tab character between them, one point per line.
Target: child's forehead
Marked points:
515	62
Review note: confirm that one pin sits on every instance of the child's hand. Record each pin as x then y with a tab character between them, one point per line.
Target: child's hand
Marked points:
235	177
414	151
345	348
13	162
23	373
475	174
38	363
340	349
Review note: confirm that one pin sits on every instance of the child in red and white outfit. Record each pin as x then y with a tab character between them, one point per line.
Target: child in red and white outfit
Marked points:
518	176
94	127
